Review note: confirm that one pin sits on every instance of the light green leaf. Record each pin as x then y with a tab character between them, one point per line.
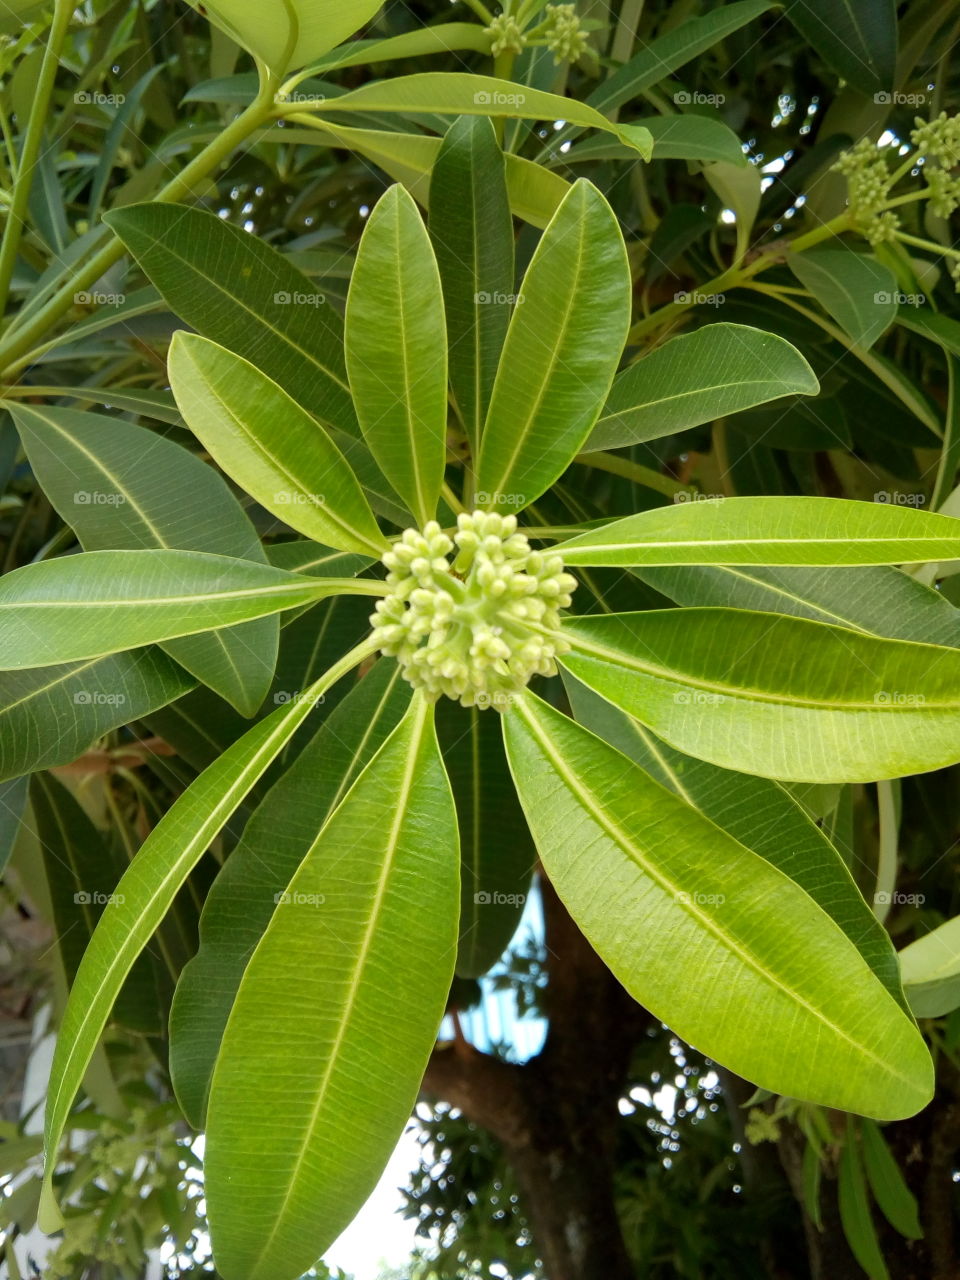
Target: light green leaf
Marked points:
739	188
562	349
121	487
316	1077
759	813
396	345
445	37
699	377
51	715
472	234
86	606
144	895
237	291
706	934
855	290
857	38
453	93
930	967
291	34
275	841
270	445
771	531
675	137
855	1215
776	696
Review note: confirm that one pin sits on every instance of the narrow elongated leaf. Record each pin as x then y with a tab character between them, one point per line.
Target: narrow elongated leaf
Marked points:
497	857
699	377
336	1015
86	606
931	971
397	351
472	234
236	290
857	38
759	813
689	137
453	93
290	35
776	696
857	291
121	487
770	531
144	895
855	1216
693	924
560	355
270	445
887	1183
50	715
274	843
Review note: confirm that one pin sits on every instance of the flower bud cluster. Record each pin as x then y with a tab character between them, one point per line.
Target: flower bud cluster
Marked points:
868	182
463	629
566	38
938	139
507	35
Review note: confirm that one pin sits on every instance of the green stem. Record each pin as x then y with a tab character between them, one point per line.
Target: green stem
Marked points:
887	855
617	466
20	341
950	453
481	10
30	150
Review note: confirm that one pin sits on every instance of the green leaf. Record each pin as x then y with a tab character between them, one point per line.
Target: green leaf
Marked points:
699	377
776	696
887	1183
237	291
13	800
51	715
274	843
562	349
453	93
445	37
930	967
770	531
316	1077
761	815
739	188
82	872
694	926
396	346
855	1214
121	487
856	38
270	445
855	290
101	602
689	137
472	234
292	34
145	893
497	857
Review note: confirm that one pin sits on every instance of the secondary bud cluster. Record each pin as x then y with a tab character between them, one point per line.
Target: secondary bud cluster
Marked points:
463	628
566	38
507	35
